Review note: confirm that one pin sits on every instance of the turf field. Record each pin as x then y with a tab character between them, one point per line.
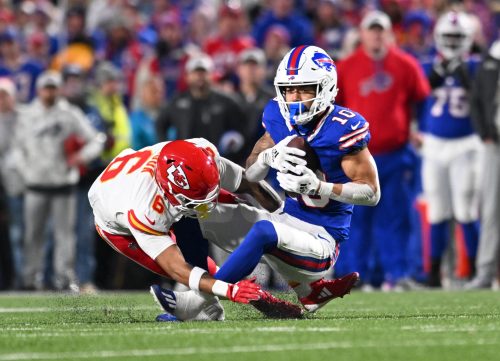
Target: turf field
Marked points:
363	326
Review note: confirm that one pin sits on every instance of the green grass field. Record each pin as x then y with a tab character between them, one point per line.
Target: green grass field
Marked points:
363	326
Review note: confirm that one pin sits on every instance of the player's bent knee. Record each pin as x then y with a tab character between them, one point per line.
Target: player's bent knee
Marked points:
264	232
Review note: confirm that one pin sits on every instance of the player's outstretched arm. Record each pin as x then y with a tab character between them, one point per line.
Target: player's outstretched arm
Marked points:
266	154
172	261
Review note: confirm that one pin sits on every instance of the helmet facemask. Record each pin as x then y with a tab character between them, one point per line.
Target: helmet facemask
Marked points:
194	208
297	112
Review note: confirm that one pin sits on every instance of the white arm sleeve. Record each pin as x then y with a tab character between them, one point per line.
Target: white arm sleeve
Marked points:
352	193
257	171
358	194
230	174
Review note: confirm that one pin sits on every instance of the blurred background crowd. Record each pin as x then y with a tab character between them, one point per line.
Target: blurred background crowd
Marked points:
82	80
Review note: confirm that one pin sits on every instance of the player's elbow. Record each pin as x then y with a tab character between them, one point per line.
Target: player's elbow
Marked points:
375	198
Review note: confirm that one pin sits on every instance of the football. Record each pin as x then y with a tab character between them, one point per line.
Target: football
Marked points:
311	157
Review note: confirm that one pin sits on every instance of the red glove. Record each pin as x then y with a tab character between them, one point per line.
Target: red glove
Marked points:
244	291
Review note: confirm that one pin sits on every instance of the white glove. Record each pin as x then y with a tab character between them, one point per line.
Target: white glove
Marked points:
283	158
306	183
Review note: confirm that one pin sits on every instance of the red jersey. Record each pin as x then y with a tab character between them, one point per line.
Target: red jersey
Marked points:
225	52
383	91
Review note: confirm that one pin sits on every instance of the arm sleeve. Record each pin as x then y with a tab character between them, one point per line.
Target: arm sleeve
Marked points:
230	174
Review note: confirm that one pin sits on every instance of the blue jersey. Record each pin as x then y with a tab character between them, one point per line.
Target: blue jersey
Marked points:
339	133
24	77
446	112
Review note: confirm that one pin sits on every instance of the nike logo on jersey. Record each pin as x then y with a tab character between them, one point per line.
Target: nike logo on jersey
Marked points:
150	221
355	126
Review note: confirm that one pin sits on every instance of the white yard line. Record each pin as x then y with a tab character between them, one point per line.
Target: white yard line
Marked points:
74	308
157	331
237	349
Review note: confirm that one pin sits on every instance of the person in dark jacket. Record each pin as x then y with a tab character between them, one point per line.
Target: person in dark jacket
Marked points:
204	112
485	114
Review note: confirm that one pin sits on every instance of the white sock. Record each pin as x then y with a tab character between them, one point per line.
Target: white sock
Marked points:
302	290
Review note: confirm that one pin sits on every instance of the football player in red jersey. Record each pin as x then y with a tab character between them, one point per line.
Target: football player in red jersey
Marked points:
141	194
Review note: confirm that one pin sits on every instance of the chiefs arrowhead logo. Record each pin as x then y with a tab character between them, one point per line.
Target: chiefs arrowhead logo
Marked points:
176	175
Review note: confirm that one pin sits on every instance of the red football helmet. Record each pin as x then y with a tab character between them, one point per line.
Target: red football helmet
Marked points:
188	177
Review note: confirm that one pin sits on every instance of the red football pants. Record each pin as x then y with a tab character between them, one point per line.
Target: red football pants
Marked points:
128	246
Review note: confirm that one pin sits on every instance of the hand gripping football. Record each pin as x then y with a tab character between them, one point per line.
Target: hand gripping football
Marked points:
311	157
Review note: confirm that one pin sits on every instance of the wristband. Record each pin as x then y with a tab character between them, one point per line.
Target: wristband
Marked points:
195	277
325	189
220	288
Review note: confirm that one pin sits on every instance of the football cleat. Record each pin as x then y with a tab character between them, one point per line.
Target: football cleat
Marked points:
166	317
187	306
323	291
273	307
166	300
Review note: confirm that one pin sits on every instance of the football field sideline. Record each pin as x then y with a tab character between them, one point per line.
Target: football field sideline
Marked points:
426	325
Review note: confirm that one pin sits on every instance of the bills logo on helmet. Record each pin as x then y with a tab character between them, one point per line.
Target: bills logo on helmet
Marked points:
177	176
323	61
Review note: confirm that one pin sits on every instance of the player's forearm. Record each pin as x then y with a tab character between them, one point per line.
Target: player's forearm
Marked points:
257	168
353	193
173	263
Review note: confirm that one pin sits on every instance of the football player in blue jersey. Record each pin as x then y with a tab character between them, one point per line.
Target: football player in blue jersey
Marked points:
302	240
450	146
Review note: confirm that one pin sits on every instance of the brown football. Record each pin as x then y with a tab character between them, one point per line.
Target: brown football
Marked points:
311	157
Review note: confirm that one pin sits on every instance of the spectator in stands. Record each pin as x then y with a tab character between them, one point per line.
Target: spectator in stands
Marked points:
253	94
74	89
38	47
75	32
201	26
50	169
143	118
10	178
418	39
13	64
276	45
228	41
41	21
282	12
107	99
123	50
486	115
382	83
203	112
330	27
168	59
